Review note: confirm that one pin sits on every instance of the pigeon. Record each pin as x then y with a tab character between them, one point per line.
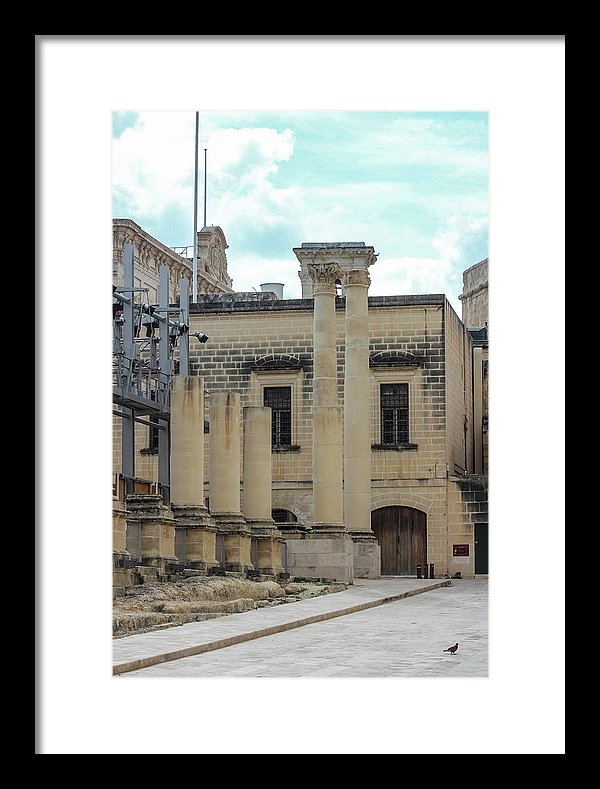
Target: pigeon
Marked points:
452	649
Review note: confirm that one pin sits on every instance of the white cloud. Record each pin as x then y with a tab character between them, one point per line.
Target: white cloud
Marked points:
241	195
266	206
153	162
457	243
458	235
153	167
251	271
460	147
248	152
408	275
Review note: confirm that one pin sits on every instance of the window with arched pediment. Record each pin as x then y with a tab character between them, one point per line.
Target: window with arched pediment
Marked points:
281	391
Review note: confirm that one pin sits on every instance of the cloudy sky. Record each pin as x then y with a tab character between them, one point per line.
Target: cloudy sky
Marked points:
414	185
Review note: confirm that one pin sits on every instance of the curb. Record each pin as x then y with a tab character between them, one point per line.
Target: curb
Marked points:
154	660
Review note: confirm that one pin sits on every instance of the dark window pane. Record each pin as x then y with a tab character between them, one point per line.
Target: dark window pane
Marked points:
153	442
153	431
283	516
279	397
394	413
279	400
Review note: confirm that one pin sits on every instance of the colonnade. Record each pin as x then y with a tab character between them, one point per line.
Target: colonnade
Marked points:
341	544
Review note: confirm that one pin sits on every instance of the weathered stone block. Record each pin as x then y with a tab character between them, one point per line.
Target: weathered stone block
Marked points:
333	558
367	560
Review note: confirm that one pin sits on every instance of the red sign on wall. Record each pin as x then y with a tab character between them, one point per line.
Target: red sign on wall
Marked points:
460	550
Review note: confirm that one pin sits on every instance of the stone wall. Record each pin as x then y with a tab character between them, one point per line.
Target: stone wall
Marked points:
475	295
458	388
238	338
467	505
416	330
485	365
415	340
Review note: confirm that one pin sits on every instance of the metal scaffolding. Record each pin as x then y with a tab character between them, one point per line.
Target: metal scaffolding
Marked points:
143	366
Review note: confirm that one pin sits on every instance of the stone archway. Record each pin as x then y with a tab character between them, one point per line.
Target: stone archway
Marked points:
402	534
283	516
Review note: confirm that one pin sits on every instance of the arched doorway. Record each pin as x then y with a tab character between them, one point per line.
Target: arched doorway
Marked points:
402	534
283	516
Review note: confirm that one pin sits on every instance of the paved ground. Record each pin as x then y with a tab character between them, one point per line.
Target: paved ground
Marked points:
392	627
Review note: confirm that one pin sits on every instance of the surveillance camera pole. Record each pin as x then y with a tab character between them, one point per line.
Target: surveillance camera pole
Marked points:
184	348
128	425
164	361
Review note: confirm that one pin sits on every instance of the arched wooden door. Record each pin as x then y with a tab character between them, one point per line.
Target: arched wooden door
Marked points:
402	534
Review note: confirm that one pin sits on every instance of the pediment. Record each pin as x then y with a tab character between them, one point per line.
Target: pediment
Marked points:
394	359
277	361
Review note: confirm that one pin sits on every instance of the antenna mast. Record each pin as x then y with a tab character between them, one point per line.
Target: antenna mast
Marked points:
205	187
195	261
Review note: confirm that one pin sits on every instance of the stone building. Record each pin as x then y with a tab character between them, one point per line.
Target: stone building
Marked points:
474	300
368	407
149	255
475	315
474	296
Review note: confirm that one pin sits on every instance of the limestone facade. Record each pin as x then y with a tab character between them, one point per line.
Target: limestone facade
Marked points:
335	358
150	254
475	316
474	297
413	340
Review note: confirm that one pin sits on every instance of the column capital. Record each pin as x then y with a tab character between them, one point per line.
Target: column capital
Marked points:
356	276
324	276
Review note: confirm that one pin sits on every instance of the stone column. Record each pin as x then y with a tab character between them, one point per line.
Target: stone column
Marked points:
320	265
187	440
357	426
306	282
327	417
224	480
328	550
257	490
187	472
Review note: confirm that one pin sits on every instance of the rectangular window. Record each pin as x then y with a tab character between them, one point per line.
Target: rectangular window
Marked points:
394	413
279	400
153	435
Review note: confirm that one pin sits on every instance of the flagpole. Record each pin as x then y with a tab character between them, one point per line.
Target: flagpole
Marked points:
195	262
205	187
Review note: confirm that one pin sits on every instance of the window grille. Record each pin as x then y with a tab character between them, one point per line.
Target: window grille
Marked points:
153	435
279	400
394	413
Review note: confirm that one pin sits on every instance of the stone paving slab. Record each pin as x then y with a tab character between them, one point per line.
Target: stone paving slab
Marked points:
150	649
404	639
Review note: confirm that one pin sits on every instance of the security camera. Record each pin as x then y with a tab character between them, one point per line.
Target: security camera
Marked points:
201	337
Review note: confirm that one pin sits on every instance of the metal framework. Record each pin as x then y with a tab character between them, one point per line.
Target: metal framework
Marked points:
143	366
